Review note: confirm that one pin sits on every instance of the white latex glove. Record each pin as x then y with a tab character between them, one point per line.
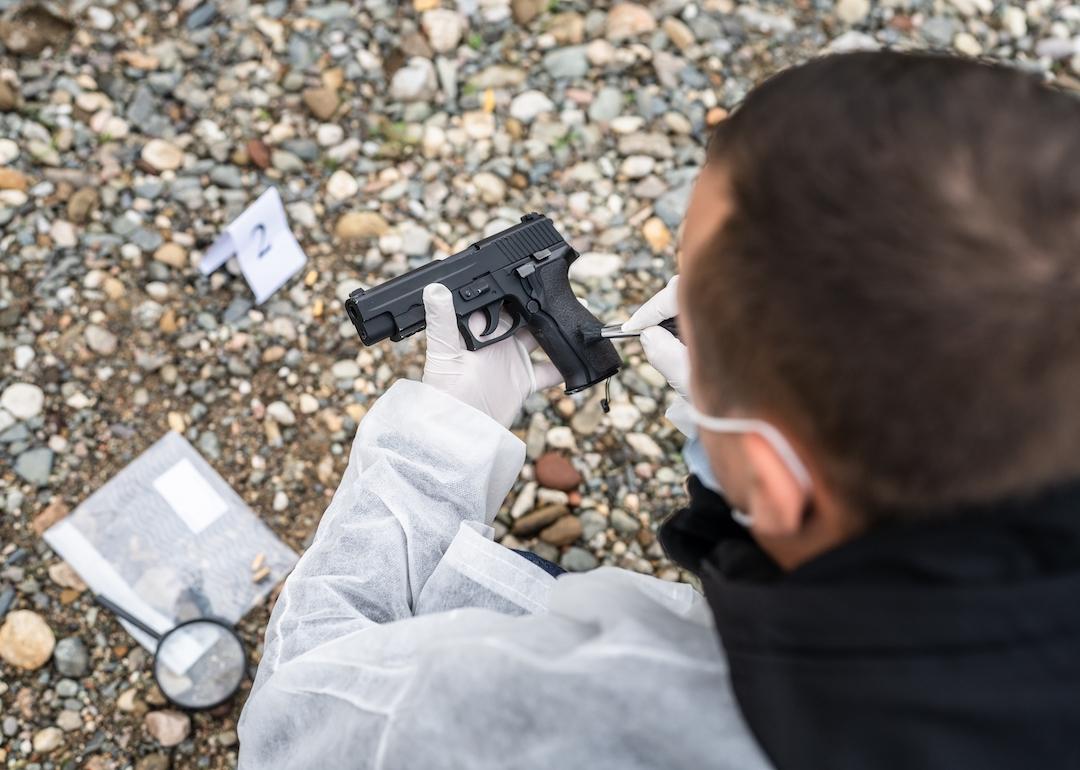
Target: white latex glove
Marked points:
496	379
662	348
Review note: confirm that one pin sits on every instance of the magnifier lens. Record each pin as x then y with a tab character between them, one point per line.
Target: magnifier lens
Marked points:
199	664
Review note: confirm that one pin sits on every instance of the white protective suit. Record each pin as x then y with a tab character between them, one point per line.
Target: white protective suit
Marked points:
407	638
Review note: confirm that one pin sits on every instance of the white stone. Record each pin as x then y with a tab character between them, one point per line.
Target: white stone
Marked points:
852	11
308	403
853	40
100	340
443	28
24	354
972	7
525	501
489	187
280	413
593	265
48	739
281	501
162	156
561	437
342	185
528	105
63	234
637	166
168	727
415	82
624	416
23	399
329	134
345	369
644	445
965	43
433	141
115	128
478	124
100	18
1014	20
600	53
9	151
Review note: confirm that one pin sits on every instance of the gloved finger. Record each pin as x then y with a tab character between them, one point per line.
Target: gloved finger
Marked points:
524	336
669	356
679	415
661	306
443	338
546	375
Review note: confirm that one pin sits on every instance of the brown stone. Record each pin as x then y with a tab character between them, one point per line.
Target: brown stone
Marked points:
567	28
322	102
9	97
361	225
531	523
627	20
259	153
81	205
656	233
563	532
526	10
10	179
556	472
168	727
53	512
26	641
171	254
64	576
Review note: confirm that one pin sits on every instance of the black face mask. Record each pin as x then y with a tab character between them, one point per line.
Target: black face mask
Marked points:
706	531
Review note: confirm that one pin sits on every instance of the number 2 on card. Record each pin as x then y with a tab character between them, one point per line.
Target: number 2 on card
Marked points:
264	247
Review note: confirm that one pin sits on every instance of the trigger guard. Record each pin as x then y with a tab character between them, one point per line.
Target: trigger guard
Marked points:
473	343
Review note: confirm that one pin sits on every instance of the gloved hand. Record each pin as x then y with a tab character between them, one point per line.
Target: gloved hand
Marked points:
496	379
664	351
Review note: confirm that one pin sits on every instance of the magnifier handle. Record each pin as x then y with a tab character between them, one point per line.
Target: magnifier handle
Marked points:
119	611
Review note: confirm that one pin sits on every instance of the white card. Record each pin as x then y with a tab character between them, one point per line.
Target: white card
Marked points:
190	495
263	244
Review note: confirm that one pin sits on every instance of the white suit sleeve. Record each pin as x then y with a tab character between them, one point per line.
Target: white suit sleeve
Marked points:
422	463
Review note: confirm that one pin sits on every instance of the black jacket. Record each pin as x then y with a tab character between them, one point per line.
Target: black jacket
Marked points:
946	644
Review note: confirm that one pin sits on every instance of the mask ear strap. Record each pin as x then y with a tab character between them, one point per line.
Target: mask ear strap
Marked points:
742	519
768	432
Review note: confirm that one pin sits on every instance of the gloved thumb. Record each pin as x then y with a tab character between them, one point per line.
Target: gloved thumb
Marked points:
669	357
661	306
443	338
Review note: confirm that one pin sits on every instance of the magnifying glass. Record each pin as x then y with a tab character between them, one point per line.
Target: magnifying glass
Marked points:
198	664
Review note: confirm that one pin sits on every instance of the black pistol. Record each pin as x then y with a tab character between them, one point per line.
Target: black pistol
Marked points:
522	270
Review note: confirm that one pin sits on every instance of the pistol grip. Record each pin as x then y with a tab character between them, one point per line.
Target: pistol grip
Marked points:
560	324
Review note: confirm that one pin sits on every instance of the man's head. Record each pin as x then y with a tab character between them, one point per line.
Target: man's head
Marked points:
882	258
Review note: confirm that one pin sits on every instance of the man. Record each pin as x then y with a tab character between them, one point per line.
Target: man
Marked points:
880	296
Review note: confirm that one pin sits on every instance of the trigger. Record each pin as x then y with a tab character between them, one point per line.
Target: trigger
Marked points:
491	313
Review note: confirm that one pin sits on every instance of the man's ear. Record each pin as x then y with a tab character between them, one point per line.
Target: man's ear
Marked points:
777	503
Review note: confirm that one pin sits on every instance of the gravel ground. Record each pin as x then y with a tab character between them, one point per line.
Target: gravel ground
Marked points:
132	132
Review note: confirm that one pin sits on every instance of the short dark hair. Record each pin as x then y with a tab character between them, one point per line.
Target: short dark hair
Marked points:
899	280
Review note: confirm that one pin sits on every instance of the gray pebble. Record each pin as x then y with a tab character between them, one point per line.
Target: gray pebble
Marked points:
71	657
35	465
578	560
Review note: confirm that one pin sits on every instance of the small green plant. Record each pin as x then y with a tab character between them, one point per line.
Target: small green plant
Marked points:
553	6
475	41
105	137
469	89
